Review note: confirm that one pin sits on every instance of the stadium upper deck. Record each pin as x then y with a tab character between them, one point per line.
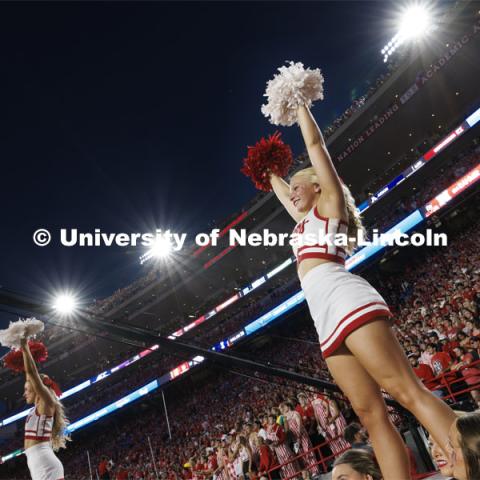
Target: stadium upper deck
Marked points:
418	91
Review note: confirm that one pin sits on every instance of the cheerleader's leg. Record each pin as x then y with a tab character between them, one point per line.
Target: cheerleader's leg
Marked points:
376	348
367	401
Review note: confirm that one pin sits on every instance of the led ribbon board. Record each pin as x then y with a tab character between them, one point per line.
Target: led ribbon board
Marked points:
469	122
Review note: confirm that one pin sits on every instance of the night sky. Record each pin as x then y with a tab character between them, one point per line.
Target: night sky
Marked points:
131	116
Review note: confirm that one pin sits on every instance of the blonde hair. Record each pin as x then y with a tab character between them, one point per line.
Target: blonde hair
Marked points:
354	218
60	422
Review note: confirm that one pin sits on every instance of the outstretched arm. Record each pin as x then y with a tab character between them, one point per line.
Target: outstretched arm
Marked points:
282	191
33	376
328	178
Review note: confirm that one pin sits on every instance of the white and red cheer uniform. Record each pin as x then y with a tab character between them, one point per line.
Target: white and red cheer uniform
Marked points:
339	301
42	461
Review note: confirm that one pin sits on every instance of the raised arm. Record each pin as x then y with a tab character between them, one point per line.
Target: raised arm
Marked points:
33	376
328	178
282	191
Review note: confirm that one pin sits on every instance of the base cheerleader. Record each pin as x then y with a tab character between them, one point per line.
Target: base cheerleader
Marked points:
350	316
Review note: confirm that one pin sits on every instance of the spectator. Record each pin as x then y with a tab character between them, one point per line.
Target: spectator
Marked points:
474	349
104	468
294	424
353	463
440	362
471	374
260	425
122	472
277	437
267	458
427	354
425	374
220	473
325	409
305	409
357	437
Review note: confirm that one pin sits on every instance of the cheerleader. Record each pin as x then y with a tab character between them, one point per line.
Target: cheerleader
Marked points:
351	317
46	422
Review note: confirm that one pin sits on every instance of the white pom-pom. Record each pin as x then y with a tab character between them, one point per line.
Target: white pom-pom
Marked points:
293	87
28	328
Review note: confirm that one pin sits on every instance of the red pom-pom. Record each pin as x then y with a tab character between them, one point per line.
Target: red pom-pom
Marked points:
14	359
267	156
39	351
47	381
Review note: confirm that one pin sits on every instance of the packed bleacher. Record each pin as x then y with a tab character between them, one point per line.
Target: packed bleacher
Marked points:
251	306
436	183
440	337
382	219
436	304
234	424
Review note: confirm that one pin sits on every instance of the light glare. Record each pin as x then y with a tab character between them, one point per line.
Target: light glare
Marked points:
65	304
162	248
415	22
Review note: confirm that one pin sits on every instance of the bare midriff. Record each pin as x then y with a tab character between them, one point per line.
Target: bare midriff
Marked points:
31	443
308	263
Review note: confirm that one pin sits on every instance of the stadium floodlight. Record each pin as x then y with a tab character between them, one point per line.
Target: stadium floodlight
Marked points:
65	304
415	22
161	249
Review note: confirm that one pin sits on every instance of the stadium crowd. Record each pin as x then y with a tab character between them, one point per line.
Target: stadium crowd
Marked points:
436	301
236	425
229	320
454	169
382	219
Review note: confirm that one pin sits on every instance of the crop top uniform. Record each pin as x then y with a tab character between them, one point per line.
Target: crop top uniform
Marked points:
38	426
41	459
339	301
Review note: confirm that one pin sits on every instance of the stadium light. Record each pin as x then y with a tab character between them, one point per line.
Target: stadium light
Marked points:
161	249
65	304
415	22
